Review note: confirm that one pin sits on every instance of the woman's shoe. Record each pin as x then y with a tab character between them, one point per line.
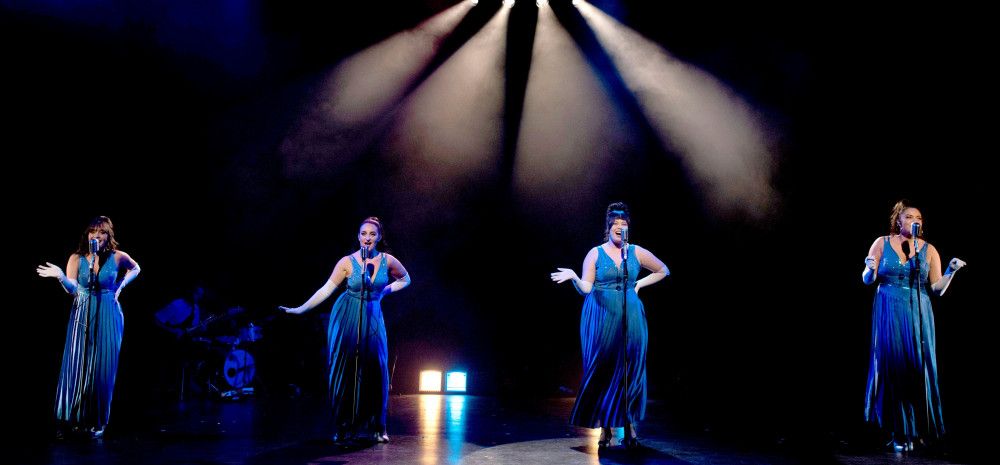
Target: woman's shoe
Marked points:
895	446
381	438
631	439
607	438
901	446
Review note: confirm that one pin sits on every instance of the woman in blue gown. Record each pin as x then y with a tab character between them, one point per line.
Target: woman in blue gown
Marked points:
94	333
599	402
902	396
367	270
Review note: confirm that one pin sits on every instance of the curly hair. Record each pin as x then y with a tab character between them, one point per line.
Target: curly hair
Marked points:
897	214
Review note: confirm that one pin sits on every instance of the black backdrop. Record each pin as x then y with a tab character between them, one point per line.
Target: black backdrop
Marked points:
173	130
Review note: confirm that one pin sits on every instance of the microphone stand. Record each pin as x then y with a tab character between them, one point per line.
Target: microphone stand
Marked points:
357	346
917	284
627	430
94	292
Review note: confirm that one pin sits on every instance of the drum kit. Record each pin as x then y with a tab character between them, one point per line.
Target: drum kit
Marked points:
222	360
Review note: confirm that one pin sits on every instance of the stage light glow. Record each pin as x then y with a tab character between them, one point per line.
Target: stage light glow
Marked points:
355	103
455	426
572	135
430	424
445	134
455	410
455	381
430	381
723	143
541	3
508	3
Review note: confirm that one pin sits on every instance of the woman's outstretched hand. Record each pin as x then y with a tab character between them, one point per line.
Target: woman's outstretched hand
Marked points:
49	270
294	311
563	275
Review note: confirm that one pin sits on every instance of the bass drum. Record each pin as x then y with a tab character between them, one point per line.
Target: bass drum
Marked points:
238	369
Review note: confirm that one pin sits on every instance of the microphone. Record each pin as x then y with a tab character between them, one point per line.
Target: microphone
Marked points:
624	233
364	272
94	249
914	232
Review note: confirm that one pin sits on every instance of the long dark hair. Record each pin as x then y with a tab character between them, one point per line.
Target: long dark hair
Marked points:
897	213
100	223
616	210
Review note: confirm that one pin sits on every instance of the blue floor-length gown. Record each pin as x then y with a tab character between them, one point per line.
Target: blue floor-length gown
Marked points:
373	373
599	401
90	357
902	395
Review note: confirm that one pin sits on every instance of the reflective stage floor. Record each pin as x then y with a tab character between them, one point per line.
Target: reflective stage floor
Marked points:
423	429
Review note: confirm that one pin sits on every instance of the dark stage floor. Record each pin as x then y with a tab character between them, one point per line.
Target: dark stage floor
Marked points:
424	429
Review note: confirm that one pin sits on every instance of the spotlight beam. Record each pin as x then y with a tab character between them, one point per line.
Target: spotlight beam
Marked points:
604	67
472	23
718	140
349	133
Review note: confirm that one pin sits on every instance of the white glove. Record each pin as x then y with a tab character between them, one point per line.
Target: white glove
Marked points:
942	285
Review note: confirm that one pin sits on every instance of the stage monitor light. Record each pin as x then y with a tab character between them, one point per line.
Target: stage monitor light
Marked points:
430	381
454	381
